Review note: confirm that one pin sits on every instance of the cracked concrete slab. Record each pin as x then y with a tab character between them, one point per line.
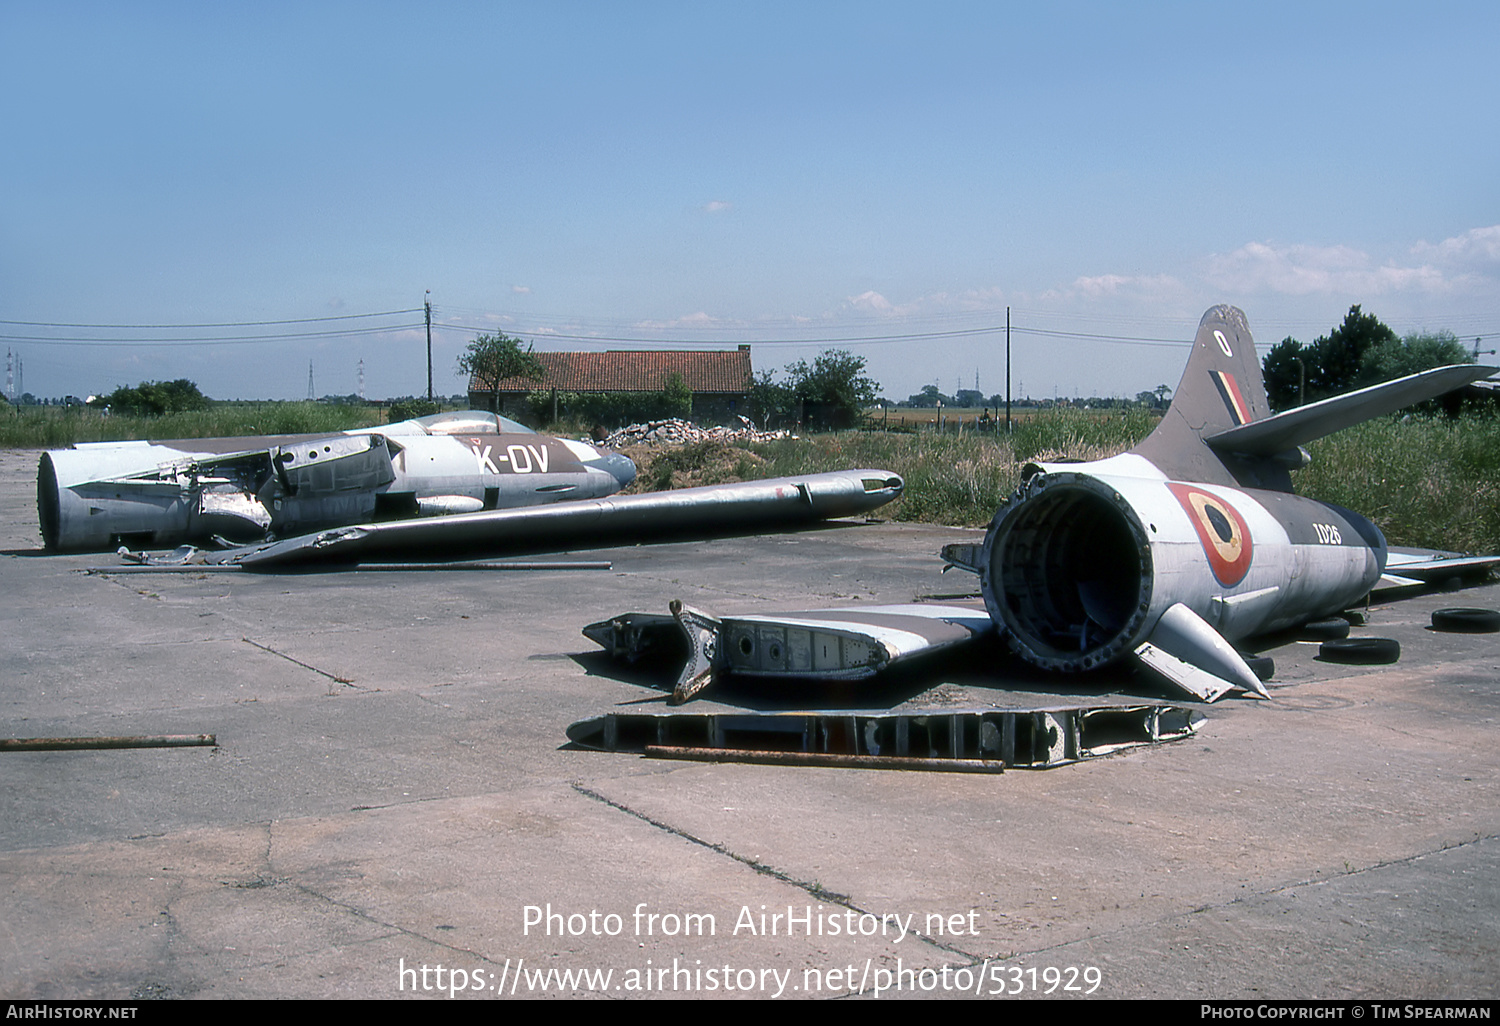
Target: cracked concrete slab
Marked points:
1338	840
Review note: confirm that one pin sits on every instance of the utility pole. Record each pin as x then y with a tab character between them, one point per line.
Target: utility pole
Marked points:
310	394
361	378
1007	370
427	307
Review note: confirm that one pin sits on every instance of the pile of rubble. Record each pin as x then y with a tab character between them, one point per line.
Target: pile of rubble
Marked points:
683	432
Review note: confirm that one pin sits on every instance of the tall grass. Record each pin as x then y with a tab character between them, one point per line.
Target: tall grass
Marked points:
1431	482
1424	481
43	427
960	478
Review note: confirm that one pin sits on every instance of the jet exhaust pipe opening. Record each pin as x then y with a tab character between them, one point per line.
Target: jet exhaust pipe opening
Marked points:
1067	570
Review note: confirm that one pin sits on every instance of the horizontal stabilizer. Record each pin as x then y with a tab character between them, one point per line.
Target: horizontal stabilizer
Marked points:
1285	431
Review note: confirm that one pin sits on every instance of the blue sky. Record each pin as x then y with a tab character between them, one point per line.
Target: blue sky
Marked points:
725	173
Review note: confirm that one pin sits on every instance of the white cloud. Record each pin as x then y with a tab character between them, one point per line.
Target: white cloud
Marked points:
693	320
1148	286
521	290
1303	270
1475	248
872	301
714	206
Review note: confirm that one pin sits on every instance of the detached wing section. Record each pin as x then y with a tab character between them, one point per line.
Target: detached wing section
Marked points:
1406	568
750	506
853	644
1285	431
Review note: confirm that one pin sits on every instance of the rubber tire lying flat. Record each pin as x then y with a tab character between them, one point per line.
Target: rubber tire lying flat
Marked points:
1466	621
1362	651
1324	630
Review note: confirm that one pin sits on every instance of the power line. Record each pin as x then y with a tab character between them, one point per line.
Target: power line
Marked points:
914	336
214	324
207	340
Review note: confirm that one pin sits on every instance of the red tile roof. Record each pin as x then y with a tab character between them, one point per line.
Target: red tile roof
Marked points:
725	371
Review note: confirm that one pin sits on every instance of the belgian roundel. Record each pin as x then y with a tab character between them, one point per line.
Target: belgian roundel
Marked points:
1221	530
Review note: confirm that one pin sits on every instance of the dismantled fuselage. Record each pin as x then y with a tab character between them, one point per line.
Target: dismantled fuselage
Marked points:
97	496
1163	556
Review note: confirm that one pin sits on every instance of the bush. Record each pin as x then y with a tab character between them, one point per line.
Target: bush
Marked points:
157	398
616	409
410	409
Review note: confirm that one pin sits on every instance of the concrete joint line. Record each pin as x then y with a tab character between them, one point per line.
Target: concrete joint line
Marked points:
813	889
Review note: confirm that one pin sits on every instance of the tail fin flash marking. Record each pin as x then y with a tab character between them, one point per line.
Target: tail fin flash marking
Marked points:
1221	390
1229	390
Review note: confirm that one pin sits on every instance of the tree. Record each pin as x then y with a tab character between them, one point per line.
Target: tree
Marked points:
1286	367
155	398
1360	352
1396	358
491	359
771	401
833	391
929	397
1341	353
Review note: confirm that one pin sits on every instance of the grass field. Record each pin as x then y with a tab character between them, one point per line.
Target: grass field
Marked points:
42	427
1426	481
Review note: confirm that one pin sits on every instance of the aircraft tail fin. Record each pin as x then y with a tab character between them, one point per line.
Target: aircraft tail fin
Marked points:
1220	390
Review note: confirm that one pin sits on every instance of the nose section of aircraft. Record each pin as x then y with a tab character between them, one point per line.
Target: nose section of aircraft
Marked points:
619	467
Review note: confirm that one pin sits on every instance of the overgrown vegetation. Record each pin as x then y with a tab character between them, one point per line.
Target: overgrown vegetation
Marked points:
44	427
950	478
832	392
613	409
1425	481
1361	351
492	359
156	398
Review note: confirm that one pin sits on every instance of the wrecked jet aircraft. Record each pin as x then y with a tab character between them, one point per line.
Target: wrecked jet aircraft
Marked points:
1164	555
1194	539
96	496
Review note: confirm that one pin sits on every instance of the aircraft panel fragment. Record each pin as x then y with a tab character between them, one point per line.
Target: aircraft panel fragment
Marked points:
961	740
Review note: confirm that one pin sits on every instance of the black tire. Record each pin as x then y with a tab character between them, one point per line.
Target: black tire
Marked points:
1324	630
1466	621
1363	651
1264	667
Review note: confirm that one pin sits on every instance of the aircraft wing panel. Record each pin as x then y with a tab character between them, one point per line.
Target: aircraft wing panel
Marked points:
682	514
1427	566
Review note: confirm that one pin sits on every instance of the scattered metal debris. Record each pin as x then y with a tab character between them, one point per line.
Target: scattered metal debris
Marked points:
77	744
984	740
152	566
821	644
